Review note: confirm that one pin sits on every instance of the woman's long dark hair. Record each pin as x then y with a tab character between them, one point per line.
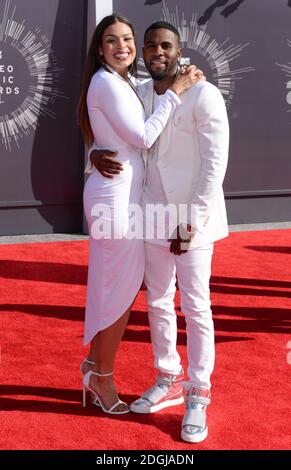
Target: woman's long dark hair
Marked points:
93	63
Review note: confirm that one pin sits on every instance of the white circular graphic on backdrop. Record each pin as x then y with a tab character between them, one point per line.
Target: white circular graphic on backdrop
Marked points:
286	68
219	57
28	74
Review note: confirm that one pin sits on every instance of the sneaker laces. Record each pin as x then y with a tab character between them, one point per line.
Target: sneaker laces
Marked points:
164	383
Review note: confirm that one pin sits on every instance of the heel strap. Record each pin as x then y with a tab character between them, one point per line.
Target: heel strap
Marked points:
87	376
102	375
88	362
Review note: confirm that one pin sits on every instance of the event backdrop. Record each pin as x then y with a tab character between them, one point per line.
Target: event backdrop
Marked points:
243	47
42	48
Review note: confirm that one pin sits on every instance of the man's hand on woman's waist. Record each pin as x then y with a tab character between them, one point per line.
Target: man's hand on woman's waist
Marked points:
104	161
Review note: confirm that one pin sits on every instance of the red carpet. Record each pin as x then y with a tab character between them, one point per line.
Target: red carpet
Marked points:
43	294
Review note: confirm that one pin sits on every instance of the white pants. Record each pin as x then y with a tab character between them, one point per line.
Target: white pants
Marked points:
193	271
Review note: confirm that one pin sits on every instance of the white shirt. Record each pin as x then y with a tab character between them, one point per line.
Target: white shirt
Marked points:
154	192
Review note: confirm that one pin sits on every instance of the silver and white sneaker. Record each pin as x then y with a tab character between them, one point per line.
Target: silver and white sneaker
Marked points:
194	427
168	391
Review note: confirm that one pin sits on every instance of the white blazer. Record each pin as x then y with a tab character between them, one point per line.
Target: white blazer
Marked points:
192	158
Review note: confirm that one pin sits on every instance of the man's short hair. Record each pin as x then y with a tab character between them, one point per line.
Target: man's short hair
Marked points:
163	25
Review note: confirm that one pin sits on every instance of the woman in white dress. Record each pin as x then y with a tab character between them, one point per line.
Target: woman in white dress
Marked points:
112	115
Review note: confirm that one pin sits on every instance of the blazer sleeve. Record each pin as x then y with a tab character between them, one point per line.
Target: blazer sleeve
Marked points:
213	138
114	98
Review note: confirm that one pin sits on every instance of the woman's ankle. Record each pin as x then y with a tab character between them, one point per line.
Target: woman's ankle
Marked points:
87	365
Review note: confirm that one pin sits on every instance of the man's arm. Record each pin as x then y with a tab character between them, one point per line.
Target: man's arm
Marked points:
213	136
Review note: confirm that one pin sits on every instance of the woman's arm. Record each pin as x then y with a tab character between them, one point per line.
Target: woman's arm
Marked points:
123	111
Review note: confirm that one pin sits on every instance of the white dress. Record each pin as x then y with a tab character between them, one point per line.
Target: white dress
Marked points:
116	265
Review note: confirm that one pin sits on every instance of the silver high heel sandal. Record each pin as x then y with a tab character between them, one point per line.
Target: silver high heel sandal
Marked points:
91	363
85	361
97	400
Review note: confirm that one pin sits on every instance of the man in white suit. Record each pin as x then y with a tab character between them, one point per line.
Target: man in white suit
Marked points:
185	168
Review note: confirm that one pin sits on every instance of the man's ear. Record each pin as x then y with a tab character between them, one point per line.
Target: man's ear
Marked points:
179	55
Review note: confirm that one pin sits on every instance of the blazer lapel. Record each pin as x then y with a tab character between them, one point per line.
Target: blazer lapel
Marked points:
164	139
146	93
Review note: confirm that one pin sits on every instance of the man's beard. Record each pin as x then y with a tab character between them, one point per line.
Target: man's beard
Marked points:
158	76
169	71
